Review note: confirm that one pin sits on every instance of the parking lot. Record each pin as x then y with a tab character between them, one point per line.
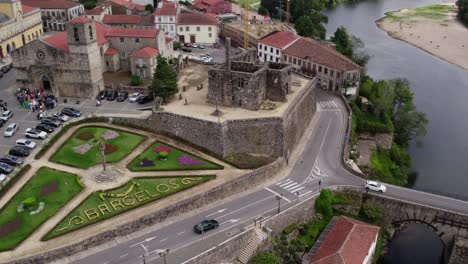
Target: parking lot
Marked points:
26	119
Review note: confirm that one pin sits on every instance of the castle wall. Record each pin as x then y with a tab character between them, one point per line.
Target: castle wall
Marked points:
278	83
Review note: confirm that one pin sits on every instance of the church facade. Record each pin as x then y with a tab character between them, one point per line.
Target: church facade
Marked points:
72	63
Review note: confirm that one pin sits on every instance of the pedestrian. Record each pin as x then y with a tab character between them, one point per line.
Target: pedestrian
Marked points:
98	103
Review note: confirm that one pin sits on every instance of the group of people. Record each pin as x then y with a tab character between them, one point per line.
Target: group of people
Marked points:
36	100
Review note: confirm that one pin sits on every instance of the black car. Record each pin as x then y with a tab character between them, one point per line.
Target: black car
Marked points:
2	122
102	95
112	95
19	151
122	96
12	160
55	119
205	225
69	111
186	49
5	168
51	122
45	128
145	99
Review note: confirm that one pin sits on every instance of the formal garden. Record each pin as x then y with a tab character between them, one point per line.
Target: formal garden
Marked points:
40	198
83	148
164	157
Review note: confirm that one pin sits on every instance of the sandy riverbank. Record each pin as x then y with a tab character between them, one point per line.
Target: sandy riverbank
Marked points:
432	28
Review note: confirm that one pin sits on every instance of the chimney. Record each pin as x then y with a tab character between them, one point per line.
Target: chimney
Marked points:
228	53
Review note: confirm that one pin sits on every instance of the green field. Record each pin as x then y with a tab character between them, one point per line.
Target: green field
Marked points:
125	142
434	12
149	160
102	205
48	186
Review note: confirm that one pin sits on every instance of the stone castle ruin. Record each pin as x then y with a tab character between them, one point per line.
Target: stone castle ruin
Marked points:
242	82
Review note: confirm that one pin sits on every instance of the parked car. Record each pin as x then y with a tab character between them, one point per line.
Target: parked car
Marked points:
45	128
3	178
375	186
2	122
19	151
186	49
5	168
36	133
26	143
187	44
12	160
134	97
112	95
70	111
60	116
10	130
145	99
102	95
7	115
55	119
51	122
205	225
6	68
122	96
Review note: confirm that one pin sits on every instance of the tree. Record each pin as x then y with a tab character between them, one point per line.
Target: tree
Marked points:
311	26
360	56
149	7
343	42
89	4
373	212
262	11
463	11
164	83
289	251
264	258
382	97
324	202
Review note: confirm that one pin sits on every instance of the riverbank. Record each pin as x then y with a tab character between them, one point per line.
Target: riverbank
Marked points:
433	28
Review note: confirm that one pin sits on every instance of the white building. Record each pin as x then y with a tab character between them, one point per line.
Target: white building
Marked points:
197	28
165	17
56	13
98	13
270	48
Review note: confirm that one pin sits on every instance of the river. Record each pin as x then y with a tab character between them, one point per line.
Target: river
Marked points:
440	88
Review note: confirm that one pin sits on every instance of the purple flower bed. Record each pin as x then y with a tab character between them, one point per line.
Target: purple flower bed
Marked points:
146	163
185	160
162	149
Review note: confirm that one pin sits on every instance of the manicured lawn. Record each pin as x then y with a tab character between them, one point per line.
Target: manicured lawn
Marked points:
102	205
122	145
176	160
50	187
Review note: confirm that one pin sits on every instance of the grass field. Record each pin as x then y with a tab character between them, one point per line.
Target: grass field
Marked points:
433	12
173	161
16	226
102	205
126	142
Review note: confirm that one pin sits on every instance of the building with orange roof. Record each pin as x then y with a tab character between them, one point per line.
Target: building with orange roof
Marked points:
56	13
126	7
98	13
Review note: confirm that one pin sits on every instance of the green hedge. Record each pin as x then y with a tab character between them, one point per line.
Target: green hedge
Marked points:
14	179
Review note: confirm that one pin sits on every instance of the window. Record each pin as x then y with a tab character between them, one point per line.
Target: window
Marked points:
159	19
320	68
171	19
186	28
289	59
277	60
123	55
337	75
198	28
90	32
325	70
92	17
172	28
354	76
348	77
121	40
294	61
271	58
107	64
271	49
75	34
299	62
259	46
209	35
137	40
265	48
277	51
100	51
259	54
209	28
332	72
181	29
285	58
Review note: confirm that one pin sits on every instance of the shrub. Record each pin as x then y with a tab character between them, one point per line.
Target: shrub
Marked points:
324	202
265	258
163	155
373	212
30	202
85	135
135	80
289	229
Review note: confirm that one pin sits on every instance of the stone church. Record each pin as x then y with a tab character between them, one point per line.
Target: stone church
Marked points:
72	63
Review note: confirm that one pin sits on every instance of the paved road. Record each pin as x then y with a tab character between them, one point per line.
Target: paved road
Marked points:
319	160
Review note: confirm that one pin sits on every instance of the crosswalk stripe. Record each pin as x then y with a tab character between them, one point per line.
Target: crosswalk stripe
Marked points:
334	104
297	189
285	182
302	194
290	185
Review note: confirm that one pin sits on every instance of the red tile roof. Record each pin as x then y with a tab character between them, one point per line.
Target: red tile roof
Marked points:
128	4
95	11
111	51
169	40
196	19
146	52
167	9
121	19
48	4
82	19
58	41
306	48
131	32
347	241
27	9
280	39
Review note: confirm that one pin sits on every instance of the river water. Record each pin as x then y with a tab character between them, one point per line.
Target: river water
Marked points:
441	91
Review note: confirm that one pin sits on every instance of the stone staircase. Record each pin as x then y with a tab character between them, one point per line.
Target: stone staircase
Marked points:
252	246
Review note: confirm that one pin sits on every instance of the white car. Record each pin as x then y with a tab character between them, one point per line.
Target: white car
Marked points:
7	115
3	178
62	117
10	130
35	133
375	186
26	143
134	97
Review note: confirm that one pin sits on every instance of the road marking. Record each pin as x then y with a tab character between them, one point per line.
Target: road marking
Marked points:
219	211
286	183
230	221
281	182
302	194
318	154
269	197
286	199
180	233
162	240
105	262
289	185
297	189
146	240
124	255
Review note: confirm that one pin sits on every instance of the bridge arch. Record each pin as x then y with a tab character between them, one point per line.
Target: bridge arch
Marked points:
415	220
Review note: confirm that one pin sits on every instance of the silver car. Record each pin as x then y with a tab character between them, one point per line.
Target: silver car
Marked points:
7	115
10	130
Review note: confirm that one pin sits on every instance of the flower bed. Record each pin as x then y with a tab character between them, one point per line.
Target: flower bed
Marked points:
175	159
85	135
109	134
82	149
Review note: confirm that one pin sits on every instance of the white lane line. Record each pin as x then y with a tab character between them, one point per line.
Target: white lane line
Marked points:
180	233
105	262
162	240
318	153
146	240
292	185
281	182
302	194
286	199
124	255
217	212
284	183
334	104
297	189
244	207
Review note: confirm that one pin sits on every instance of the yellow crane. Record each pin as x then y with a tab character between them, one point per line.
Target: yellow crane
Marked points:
246	24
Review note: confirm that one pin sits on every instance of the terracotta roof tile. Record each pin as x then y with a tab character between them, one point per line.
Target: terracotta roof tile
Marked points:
280	39
27	9
167	9
146	52
121	19
111	51
131	32
320	53
58	41
95	11
196	19
82	19
128	4
169	40
55	4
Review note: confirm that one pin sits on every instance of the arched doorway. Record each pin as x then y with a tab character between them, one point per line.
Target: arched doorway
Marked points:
13	45
8	48
46	83
23	38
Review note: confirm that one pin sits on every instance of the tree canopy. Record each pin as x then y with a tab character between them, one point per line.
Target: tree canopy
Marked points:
350	46
311	26
164	83
463	11
265	258
149	7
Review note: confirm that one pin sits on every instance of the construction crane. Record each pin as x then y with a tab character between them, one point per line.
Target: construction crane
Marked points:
246	24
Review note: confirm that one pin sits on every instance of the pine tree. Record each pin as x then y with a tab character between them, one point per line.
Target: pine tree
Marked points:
164	83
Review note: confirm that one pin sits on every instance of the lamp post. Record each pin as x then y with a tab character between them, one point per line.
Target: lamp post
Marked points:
102	147
278	198
163	254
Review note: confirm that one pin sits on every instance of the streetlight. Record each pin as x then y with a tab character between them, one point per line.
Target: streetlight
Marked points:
163	254
278	198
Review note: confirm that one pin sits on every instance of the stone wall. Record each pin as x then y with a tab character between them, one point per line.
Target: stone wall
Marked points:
459	253
383	140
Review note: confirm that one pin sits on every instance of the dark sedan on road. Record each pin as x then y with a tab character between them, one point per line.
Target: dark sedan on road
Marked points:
69	111
51	122
45	128
111	96
145	99
5	168
102	95
19	151
205	225
12	160
122	96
